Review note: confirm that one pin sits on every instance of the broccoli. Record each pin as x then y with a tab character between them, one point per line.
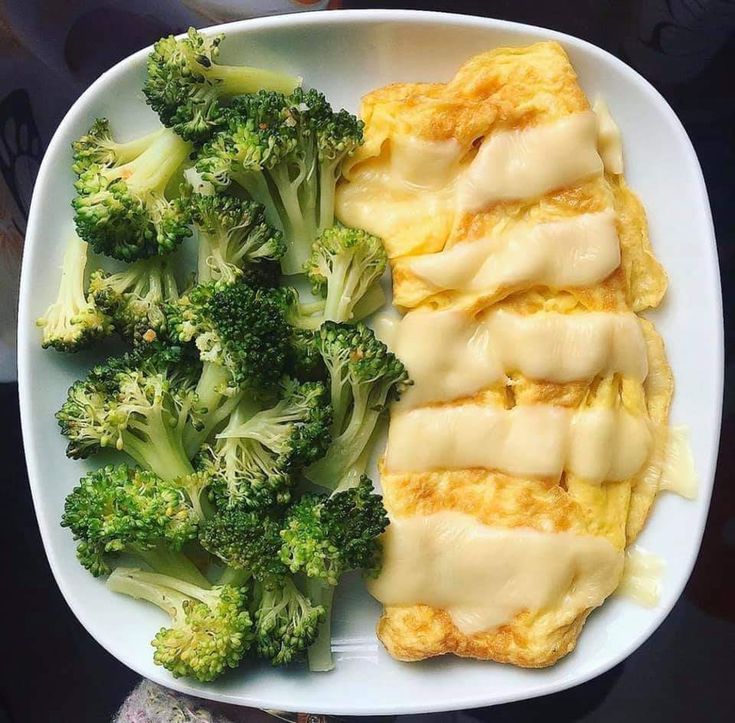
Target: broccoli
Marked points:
140	404
186	86
324	537
97	147
252	461
125	509
233	234
123	206
364	378
304	360
136	298
210	628
73	321
286	621
242	339
286	152
345	265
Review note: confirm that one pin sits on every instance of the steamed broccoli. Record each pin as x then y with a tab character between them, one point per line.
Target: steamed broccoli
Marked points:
125	509
286	620
140	404
324	537
253	459
364	378
241	337
233	235
73	321
123	207
136	298
286	152
186	86
346	265
210	628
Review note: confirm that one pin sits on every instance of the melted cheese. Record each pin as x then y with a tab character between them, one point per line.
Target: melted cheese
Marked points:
678	473
531	162
417	164
450	355
535	440
484	576
577	252
641	579
609	142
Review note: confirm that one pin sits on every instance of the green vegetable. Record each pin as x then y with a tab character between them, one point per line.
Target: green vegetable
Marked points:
233	235
253	459
73	321
136	298
210	627
124	509
285	151
186	85
364	378
123	206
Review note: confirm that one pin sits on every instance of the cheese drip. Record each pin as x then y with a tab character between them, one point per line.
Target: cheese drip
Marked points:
484	576
531	162
580	251
609	142
450	355
536	440
641	580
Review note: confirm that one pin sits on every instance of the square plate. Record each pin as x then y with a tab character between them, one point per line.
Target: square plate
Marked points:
346	54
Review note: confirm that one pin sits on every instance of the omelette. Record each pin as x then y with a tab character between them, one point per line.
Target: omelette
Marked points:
527	454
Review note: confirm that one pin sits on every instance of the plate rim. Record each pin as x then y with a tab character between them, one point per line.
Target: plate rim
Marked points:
26	342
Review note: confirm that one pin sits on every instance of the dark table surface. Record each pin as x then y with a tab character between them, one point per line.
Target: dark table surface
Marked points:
50	668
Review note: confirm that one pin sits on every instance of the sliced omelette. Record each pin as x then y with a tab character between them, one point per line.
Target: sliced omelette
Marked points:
528	452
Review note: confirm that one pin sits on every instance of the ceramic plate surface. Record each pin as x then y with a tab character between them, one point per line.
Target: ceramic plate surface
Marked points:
346	54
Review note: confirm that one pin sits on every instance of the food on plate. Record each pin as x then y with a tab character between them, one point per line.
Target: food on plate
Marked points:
234	388
526	455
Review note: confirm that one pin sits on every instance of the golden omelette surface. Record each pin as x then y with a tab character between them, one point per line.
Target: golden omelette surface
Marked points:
507	89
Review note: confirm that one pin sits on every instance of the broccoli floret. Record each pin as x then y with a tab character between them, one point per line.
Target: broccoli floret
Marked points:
364	378
245	540
242	339
186	86
123	208
253	459
324	537
73	321
125	509
233	235
345	265
286	621
304	360
136	298
97	147
285	151
139	404
210	628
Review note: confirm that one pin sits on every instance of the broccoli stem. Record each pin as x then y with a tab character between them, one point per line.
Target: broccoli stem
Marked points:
320	651
162	451
167	562
347	447
300	232
152	169
373	300
214	378
328	173
129	150
239	80
146	586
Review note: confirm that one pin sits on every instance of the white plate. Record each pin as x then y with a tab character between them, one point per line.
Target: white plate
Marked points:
347	54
